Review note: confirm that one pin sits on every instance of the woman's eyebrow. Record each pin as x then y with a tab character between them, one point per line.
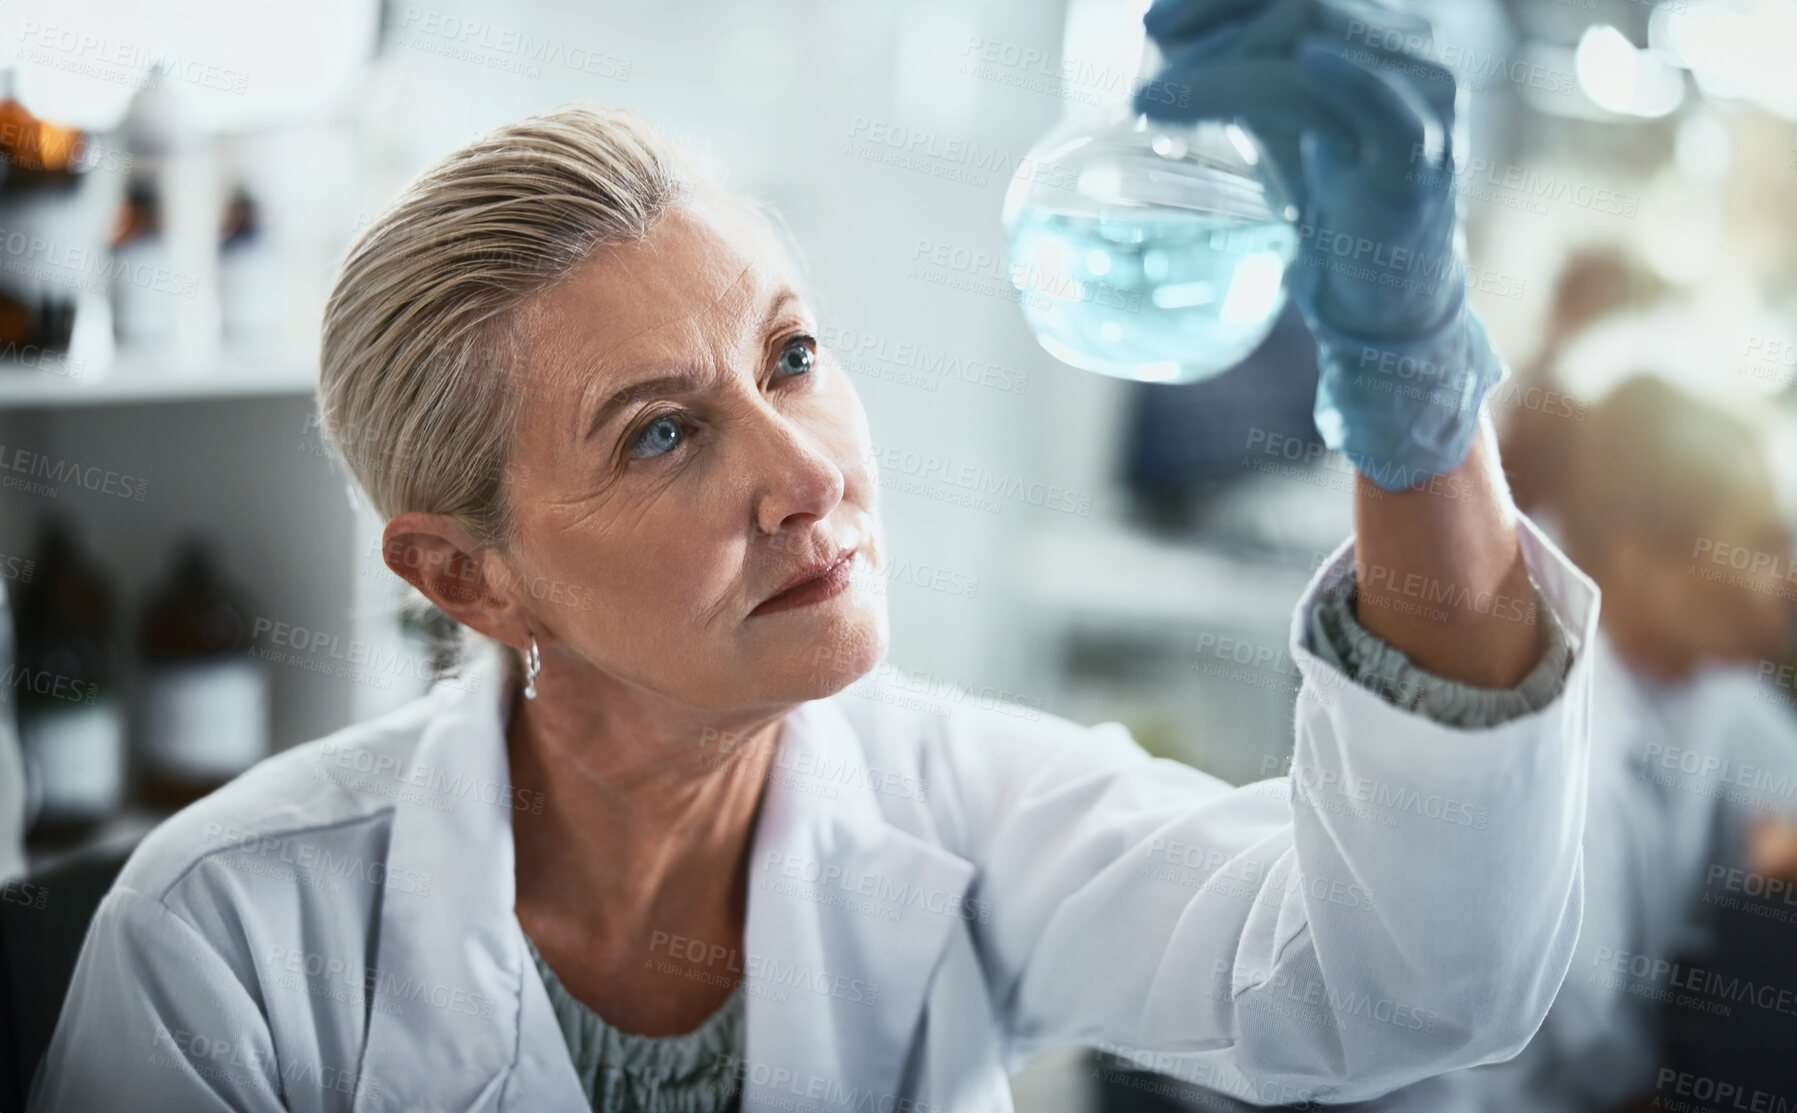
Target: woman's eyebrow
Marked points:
636	392
680	380
778	302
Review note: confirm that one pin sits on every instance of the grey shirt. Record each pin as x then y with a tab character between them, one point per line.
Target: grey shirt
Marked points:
622	1072
694	1072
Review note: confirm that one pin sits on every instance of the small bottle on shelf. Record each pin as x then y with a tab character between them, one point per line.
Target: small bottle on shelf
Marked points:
205	699
71	721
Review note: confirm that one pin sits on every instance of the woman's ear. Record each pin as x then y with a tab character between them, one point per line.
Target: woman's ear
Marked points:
438	556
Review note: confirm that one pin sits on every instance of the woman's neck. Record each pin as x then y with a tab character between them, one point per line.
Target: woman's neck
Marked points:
639	821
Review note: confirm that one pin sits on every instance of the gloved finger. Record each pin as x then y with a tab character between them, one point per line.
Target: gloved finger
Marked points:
1395	129
1265	93
1271	29
1385	31
1435	81
1177	23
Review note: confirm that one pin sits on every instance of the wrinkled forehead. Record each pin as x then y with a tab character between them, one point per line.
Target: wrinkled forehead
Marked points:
700	277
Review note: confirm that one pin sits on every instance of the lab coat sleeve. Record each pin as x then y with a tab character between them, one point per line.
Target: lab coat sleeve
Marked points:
155	1020
1403	903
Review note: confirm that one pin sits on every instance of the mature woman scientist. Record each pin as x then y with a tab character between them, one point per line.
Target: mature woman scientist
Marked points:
562	357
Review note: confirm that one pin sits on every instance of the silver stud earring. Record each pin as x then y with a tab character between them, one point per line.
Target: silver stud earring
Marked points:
533	664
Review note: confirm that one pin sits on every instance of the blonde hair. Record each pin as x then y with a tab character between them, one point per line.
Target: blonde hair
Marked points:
420	338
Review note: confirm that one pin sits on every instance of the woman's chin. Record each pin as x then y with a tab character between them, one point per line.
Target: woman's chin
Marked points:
824	657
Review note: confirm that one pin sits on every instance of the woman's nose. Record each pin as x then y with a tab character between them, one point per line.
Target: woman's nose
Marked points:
801	484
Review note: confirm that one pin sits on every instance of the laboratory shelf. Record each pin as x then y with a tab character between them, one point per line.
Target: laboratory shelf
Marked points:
141	378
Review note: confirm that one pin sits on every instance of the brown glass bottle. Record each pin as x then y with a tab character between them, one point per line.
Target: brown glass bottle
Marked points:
205	699
71	722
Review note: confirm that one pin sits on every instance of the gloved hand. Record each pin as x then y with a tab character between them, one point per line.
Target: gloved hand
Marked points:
1360	125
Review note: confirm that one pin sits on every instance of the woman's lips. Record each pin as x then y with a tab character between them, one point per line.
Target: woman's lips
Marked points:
827	584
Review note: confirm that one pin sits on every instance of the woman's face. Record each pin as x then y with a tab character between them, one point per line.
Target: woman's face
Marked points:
685	451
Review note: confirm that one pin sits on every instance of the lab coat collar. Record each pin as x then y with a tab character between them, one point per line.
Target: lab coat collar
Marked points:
447	984
848	916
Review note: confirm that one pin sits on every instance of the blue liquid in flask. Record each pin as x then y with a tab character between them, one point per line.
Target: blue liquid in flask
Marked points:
1148	251
1157	294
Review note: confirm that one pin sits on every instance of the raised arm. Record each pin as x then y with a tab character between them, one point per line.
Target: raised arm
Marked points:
1362	124
1441	576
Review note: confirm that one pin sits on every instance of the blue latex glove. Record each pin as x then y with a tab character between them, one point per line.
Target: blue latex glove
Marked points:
1360	125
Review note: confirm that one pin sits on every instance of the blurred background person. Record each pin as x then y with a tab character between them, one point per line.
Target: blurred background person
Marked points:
1668	502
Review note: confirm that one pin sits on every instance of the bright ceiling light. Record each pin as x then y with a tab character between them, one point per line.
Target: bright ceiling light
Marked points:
1737	50
1622	79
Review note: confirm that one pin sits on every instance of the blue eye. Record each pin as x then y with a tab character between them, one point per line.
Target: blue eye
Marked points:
659	436
806	358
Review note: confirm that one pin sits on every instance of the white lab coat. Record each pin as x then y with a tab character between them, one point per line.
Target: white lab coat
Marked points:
1677	772
933	897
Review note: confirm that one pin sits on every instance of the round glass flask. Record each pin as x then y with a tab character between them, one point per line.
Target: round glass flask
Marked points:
1149	251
